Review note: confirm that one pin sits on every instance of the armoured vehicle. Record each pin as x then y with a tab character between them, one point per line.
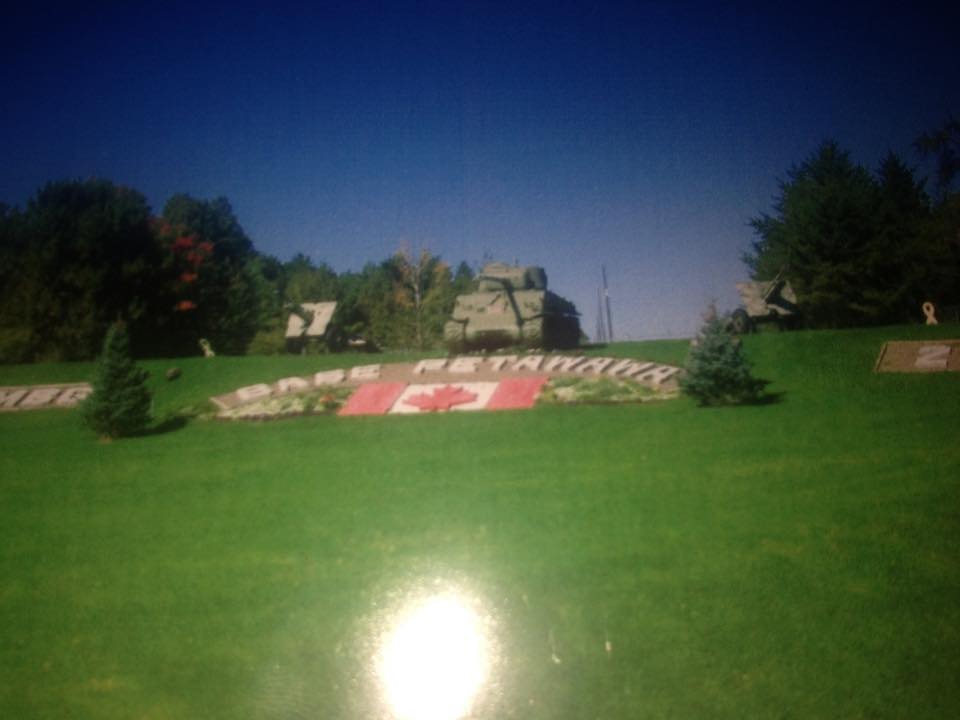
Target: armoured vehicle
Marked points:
770	301
511	306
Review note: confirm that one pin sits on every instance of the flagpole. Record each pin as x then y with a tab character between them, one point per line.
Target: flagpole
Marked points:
606	295
601	332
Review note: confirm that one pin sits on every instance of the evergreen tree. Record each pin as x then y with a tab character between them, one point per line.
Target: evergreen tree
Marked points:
120	403
717	371
824	222
898	264
944	144
942	236
79	256
858	249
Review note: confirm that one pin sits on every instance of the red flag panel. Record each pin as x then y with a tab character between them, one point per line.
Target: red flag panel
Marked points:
516	393
373	399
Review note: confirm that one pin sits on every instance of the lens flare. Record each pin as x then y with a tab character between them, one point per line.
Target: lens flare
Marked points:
434	660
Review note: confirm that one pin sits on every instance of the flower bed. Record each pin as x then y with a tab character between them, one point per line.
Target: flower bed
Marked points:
577	390
323	401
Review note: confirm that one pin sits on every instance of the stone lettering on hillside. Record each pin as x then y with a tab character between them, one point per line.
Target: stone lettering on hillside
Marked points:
365	373
531	362
465	365
35	397
562	364
9	397
656	376
330	377
251	393
293	384
430	365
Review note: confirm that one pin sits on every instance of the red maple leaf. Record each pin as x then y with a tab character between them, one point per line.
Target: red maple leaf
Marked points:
442	398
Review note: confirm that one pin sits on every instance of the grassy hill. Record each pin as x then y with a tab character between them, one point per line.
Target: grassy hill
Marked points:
797	559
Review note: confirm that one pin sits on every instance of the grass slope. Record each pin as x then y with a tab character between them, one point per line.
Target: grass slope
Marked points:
789	560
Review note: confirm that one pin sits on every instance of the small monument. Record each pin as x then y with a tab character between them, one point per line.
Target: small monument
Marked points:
909	356
308	324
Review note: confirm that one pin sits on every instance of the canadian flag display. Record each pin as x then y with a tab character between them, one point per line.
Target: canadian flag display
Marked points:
401	398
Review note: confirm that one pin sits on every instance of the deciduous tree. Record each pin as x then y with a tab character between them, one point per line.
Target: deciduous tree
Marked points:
210	262
423	293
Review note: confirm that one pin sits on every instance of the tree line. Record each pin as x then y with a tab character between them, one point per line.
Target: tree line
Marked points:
859	247
862	248
84	254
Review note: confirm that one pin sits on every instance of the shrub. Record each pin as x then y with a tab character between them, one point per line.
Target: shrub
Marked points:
569	390
717	371
268	341
17	344
120	402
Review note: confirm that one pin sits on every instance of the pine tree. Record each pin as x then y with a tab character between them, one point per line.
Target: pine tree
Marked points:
823	225
717	371
120	402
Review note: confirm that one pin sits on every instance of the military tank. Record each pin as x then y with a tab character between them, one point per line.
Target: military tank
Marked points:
511	307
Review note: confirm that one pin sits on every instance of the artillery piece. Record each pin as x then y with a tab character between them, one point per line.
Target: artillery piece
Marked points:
765	301
511	306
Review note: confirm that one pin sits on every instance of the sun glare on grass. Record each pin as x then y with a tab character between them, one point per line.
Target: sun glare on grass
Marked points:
435	659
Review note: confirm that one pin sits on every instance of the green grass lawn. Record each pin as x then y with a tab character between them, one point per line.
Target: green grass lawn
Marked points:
792	560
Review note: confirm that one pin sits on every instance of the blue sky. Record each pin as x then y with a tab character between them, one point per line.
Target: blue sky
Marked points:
641	136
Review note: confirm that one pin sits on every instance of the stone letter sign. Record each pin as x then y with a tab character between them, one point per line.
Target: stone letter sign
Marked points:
919	356
496	382
43	396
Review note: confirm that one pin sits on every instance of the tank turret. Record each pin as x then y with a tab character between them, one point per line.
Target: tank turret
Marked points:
511	306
